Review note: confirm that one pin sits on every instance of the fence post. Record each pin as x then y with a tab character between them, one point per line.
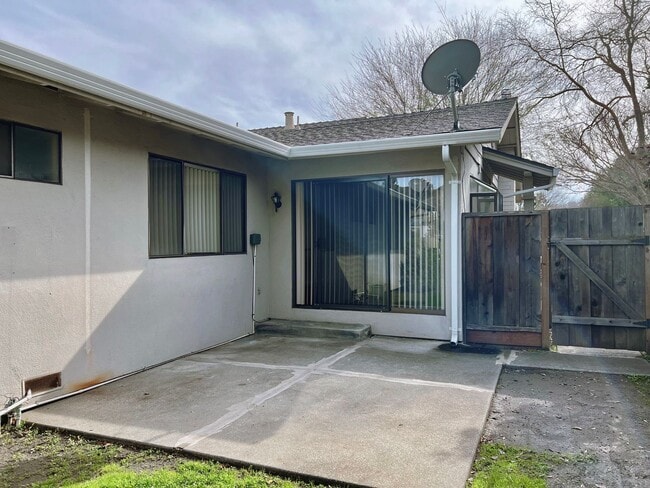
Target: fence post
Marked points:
545	249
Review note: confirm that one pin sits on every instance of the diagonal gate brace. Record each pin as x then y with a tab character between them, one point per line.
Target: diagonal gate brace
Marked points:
599	282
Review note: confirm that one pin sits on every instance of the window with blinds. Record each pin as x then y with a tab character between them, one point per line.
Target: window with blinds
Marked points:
29	153
195	209
372	244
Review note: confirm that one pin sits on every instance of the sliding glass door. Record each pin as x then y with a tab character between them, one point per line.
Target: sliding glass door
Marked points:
372	244
342	246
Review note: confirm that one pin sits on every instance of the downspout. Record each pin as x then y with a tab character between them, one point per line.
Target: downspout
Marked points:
454	184
530	190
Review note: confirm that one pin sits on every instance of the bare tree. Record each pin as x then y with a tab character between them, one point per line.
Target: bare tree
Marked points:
386	76
591	62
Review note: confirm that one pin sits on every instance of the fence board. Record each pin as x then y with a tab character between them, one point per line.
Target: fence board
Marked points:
511	281
470	271
559	266
579	285
486	275
600	260
498	284
530	304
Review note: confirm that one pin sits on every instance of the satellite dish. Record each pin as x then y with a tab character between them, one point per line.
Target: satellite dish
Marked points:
449	68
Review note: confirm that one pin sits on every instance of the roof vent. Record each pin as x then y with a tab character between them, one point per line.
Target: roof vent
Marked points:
288	120
506	93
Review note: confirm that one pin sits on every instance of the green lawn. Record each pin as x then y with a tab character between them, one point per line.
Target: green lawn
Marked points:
44	459
501	466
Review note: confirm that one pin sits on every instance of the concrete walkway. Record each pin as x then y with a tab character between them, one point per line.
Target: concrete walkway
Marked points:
590	360
379	412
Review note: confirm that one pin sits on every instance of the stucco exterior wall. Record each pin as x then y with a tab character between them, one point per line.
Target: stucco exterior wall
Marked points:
281	175
78	292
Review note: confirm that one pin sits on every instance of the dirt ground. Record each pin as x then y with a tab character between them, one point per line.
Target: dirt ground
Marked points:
602	416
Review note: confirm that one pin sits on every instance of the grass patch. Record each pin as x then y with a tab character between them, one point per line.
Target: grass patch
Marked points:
500	466
642	384
43	459
187	473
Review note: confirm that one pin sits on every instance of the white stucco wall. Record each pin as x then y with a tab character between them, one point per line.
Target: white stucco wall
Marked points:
385	323
120	311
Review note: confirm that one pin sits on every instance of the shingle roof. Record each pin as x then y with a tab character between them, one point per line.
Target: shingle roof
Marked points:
486	115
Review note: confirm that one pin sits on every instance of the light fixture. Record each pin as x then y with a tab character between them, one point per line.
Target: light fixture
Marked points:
276	198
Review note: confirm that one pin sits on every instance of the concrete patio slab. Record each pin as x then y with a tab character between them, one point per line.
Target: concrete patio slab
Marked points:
379	412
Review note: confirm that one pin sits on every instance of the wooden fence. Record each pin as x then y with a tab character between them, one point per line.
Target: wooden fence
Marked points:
578	276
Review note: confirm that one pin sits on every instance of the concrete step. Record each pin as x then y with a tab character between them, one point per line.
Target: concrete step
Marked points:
301	328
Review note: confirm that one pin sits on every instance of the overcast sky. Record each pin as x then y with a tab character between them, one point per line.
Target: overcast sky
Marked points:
245	61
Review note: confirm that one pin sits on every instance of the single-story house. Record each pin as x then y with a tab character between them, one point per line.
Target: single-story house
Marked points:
126	221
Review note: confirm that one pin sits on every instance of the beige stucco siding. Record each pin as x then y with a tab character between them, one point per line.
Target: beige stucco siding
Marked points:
118	311
280	178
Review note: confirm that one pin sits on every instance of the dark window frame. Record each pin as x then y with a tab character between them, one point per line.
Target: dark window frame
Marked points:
183	163
496	197
59	141
356	308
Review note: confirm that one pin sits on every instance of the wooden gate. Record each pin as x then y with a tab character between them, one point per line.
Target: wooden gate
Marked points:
502	278
580	276
599	260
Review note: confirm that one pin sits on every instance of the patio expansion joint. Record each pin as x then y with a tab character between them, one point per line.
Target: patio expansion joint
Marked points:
237	411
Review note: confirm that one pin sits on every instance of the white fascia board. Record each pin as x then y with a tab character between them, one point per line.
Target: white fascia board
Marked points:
523	165
82	83
399	143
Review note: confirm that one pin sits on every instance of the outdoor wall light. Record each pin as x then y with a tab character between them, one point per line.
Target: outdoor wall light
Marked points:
276	198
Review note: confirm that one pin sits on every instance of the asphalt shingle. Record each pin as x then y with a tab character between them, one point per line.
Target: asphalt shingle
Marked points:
486	115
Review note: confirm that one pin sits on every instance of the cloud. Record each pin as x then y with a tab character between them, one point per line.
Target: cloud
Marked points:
245	61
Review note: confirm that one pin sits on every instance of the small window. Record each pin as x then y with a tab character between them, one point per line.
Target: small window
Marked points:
485	202
194	209
29	153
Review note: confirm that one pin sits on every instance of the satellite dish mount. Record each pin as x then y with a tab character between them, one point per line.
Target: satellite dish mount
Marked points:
449	68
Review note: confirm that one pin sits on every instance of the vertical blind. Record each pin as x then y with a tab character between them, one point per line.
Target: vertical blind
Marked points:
416	242
165	208
232	204
345	252
201	207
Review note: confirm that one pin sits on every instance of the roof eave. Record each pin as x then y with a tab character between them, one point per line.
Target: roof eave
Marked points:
46	71
482	136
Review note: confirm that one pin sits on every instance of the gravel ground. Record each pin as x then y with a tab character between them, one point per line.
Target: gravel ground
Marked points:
602	416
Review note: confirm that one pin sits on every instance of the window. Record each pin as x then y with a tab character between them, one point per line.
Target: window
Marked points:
372	244
483	197
195	209
29	153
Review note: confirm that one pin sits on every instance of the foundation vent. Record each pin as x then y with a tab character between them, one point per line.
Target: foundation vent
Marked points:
42	384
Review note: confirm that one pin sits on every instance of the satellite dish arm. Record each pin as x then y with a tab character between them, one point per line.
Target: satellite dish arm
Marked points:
455	84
